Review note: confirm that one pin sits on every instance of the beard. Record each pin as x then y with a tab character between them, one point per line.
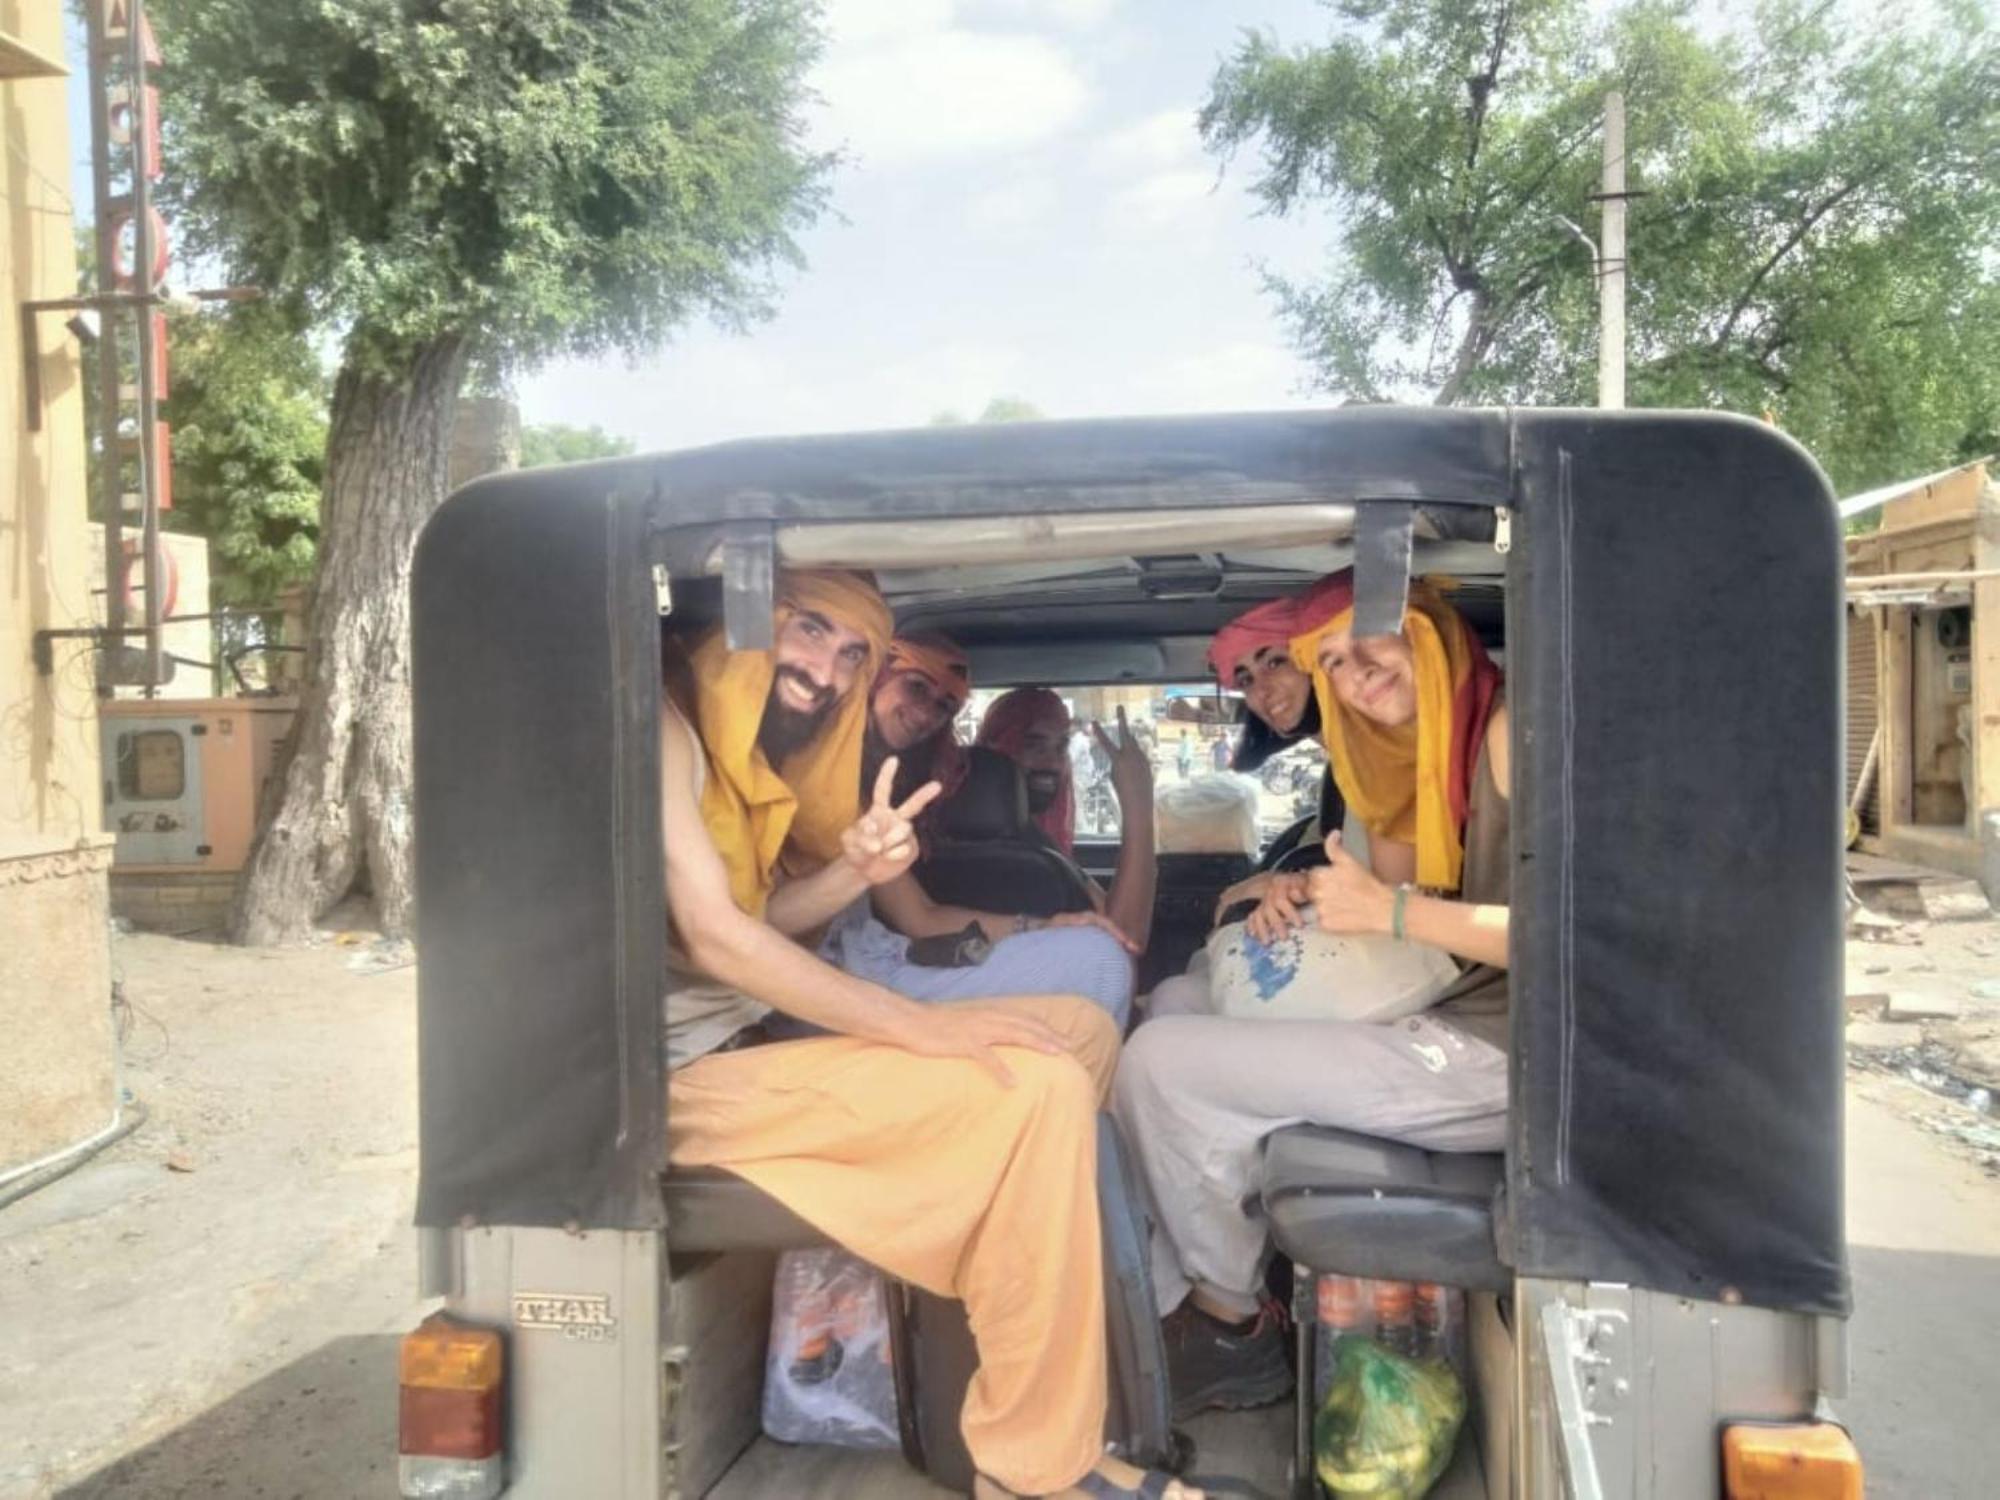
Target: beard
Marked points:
786	730
1042	789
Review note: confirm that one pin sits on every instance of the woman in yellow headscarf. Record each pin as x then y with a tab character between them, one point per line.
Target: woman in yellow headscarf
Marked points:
1417	736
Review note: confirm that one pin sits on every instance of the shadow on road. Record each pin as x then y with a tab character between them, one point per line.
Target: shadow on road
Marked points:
324	1425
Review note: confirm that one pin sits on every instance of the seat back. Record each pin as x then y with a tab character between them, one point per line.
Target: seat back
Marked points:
986	851
1353	1204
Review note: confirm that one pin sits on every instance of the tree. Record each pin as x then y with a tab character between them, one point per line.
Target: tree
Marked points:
1814	240
999	409
248	408
489	180
556	443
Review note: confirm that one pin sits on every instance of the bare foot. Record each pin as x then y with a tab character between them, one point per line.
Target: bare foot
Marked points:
1122	1474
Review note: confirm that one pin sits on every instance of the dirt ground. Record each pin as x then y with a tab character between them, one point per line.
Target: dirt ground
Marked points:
259	1218
211	1307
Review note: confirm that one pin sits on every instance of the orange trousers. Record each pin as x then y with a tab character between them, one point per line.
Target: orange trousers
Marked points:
935	1172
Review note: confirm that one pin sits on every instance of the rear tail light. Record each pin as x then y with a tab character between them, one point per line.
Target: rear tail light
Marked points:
1789	1461
452	1384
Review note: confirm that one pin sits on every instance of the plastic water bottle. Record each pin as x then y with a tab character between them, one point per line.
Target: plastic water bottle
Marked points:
1395	1317
1340	1309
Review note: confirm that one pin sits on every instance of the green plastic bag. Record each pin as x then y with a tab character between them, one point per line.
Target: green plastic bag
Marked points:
1389	1425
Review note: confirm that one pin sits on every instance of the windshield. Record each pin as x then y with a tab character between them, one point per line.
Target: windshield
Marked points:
1190	731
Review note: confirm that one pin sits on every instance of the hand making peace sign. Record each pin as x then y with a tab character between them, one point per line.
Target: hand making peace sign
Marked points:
1131	771
882	844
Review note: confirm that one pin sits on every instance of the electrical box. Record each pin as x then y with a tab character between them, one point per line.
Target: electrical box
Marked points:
186	779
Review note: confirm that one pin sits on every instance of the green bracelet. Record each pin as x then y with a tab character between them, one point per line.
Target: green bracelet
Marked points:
1396	912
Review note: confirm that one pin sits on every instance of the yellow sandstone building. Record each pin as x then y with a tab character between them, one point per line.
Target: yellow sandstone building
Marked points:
58	1070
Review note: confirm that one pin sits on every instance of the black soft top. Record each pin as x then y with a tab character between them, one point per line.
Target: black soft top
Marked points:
1673	626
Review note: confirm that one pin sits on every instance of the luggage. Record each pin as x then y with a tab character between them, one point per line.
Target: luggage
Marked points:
935	1357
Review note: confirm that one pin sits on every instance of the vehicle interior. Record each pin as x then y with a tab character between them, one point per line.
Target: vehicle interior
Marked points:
1085	604
1667	1220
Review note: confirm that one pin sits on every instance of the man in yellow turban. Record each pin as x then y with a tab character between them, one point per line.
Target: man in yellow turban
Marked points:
952	1146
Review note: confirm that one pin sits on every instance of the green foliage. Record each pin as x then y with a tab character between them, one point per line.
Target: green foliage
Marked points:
1010	409
556	443
999	409
548	175
248	408
1815	240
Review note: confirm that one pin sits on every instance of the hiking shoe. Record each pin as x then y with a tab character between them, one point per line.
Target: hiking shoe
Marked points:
1233	1366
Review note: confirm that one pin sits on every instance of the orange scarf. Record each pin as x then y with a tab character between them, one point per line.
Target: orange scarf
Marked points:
750	809
1411	783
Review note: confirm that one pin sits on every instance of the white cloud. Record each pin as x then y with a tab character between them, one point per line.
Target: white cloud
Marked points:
1079	15
1014	205
1241	375
938	94
1164	198
1166	139
850	22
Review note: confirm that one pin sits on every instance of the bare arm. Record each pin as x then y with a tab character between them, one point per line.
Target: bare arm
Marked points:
1130	903
1394	862
811	901
736	949
877	849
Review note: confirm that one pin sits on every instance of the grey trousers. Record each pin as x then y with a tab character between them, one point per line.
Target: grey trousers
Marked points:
1196	1095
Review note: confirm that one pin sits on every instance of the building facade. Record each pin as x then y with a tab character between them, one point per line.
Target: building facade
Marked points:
59	1083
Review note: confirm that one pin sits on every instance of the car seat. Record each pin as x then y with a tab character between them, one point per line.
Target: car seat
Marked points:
986	852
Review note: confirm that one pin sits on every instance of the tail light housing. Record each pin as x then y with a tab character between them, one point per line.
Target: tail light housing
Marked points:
1789	1461
452	1386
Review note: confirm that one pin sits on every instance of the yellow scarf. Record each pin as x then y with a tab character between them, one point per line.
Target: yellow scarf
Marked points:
1397	780
752	810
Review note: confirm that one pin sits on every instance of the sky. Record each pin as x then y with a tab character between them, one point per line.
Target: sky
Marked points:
1026	211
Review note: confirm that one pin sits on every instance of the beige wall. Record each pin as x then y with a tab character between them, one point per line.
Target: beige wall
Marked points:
57	1069
1951	526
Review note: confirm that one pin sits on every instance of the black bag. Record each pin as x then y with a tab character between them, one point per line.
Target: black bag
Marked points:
935	1358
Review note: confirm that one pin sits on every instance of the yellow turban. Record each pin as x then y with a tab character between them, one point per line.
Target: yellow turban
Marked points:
751	809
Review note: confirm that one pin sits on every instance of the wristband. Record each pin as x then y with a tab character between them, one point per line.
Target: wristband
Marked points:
1396	911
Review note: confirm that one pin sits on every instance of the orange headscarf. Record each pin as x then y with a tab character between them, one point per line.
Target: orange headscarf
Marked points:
1412	783
751	809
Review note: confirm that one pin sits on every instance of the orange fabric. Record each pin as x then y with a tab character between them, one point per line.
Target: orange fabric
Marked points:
751	809
942	660
931	1170
1411	783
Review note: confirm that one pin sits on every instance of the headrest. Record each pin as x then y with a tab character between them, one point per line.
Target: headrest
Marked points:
991	803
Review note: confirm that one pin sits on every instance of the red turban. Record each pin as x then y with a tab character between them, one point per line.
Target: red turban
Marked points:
1007	724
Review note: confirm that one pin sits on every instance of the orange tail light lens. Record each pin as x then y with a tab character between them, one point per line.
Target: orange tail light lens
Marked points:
1790	1461
451	1381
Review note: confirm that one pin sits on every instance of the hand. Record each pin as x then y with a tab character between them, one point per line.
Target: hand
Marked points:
1280	910
1131	771
882	844
975	1031
1251	889
1346	896
1095	919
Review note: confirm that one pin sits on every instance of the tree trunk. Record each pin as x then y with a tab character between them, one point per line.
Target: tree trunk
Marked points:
344	803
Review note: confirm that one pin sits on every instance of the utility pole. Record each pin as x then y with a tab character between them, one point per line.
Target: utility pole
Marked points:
1611	260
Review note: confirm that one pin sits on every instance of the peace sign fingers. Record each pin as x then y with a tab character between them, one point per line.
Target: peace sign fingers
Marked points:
885	783
920	799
